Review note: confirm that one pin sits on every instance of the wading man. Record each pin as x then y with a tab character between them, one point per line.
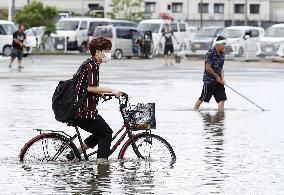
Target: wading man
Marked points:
213	78
18	45
169	46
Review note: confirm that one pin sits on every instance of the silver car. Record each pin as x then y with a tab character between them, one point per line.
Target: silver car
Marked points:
203	40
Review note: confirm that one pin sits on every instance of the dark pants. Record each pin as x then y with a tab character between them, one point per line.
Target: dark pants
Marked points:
101	134
17	53
215	89
169	48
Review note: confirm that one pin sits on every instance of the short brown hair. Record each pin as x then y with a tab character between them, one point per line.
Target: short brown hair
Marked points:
99	43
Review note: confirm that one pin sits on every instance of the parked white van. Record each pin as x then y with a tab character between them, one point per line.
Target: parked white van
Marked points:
6	37
156	26
242	40
122	39
272	43
77	32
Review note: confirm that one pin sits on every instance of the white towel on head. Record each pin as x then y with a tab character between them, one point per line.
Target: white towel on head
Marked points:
220	42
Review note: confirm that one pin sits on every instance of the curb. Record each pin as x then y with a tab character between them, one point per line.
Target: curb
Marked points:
4	59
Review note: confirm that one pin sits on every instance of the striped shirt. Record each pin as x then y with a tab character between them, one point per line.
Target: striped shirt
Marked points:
217	63
88	75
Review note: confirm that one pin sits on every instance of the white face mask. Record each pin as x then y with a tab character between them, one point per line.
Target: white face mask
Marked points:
107	57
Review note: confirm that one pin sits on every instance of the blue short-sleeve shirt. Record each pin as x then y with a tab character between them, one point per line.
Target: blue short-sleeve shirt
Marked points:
217	63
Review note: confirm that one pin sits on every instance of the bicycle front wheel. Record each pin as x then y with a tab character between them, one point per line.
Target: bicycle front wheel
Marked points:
151	147
48	147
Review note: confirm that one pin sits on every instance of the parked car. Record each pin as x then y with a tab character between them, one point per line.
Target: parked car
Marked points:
156	26
203	39
272	43
77	32
6	37
95	22
126	41
34	38
242	40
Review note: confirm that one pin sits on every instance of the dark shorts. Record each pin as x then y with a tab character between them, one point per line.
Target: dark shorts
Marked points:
17	53
101	134
215	89
168	48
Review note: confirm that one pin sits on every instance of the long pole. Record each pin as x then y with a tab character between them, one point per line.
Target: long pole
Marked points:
262	109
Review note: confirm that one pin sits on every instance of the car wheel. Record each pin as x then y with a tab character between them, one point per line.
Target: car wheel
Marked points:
118	54
7	50
241	52
83	48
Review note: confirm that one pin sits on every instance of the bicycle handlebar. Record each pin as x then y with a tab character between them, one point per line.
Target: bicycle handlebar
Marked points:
122	103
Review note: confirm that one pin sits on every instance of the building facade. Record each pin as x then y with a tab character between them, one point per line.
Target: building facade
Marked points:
215	12
195	12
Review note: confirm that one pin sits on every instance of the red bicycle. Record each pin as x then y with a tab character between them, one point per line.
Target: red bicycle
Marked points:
52	146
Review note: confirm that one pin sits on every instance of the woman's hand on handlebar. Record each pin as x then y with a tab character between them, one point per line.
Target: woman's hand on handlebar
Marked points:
117	93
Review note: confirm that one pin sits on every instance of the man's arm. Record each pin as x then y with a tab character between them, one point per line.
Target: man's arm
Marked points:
101	90
210	70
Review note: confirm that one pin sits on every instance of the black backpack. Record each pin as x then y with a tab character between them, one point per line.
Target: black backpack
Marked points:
63	99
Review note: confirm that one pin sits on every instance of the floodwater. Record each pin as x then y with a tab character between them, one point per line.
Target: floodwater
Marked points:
238	152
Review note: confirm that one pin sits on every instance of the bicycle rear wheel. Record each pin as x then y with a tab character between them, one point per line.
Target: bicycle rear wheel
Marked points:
48	147
151	147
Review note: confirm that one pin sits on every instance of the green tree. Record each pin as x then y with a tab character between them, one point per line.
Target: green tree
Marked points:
36	14
3	14
129	8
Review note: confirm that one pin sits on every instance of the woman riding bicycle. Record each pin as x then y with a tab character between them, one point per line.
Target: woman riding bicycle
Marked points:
87	87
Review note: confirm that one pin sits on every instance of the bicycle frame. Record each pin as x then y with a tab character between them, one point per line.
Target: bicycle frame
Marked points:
120	140
126	129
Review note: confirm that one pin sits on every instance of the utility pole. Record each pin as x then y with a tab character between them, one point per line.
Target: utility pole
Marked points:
270	10
82	7
187	10
201	13
246	12
10	10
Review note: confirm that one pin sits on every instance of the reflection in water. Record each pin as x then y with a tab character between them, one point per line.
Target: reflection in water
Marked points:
138	177
91	178
214	150
100	182
70	178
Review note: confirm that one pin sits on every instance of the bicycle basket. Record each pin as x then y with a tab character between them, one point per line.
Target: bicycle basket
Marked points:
142	116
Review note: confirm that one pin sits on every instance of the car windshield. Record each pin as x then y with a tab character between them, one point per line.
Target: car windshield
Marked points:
232	33
34	31
154	28
7	29
67	25
275	32
206	32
